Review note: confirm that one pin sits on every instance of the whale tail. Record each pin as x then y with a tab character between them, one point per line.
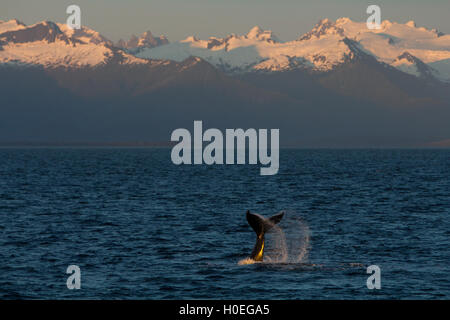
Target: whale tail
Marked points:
261	225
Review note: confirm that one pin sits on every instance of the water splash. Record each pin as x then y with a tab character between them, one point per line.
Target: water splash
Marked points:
247	261
303	237
276	247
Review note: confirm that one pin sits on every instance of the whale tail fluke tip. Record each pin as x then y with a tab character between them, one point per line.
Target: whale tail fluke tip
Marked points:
262	225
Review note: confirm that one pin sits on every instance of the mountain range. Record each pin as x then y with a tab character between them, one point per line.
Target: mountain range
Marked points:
340	84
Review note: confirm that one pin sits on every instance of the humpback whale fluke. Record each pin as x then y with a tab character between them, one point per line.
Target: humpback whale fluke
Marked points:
261	225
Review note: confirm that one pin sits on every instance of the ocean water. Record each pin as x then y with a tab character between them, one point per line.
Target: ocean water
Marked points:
140	227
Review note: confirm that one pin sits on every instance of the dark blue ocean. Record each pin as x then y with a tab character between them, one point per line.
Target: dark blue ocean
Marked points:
140	227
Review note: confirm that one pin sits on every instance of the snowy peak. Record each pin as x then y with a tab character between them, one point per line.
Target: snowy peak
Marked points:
50	32
84	35
43	31
324	27
53	45
11	25
256	33
411	24
145	40
408	63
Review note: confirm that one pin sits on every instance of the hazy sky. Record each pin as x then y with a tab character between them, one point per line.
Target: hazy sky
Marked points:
178	19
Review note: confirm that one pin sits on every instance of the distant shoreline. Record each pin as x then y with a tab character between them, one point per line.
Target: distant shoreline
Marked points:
430	146
87	144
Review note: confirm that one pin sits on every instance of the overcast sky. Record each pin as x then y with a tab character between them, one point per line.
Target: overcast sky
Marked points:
178	19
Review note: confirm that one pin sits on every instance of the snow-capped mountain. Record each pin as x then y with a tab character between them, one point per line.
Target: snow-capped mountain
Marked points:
145	40
411	49
52	45
339	84
414	50
11	25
